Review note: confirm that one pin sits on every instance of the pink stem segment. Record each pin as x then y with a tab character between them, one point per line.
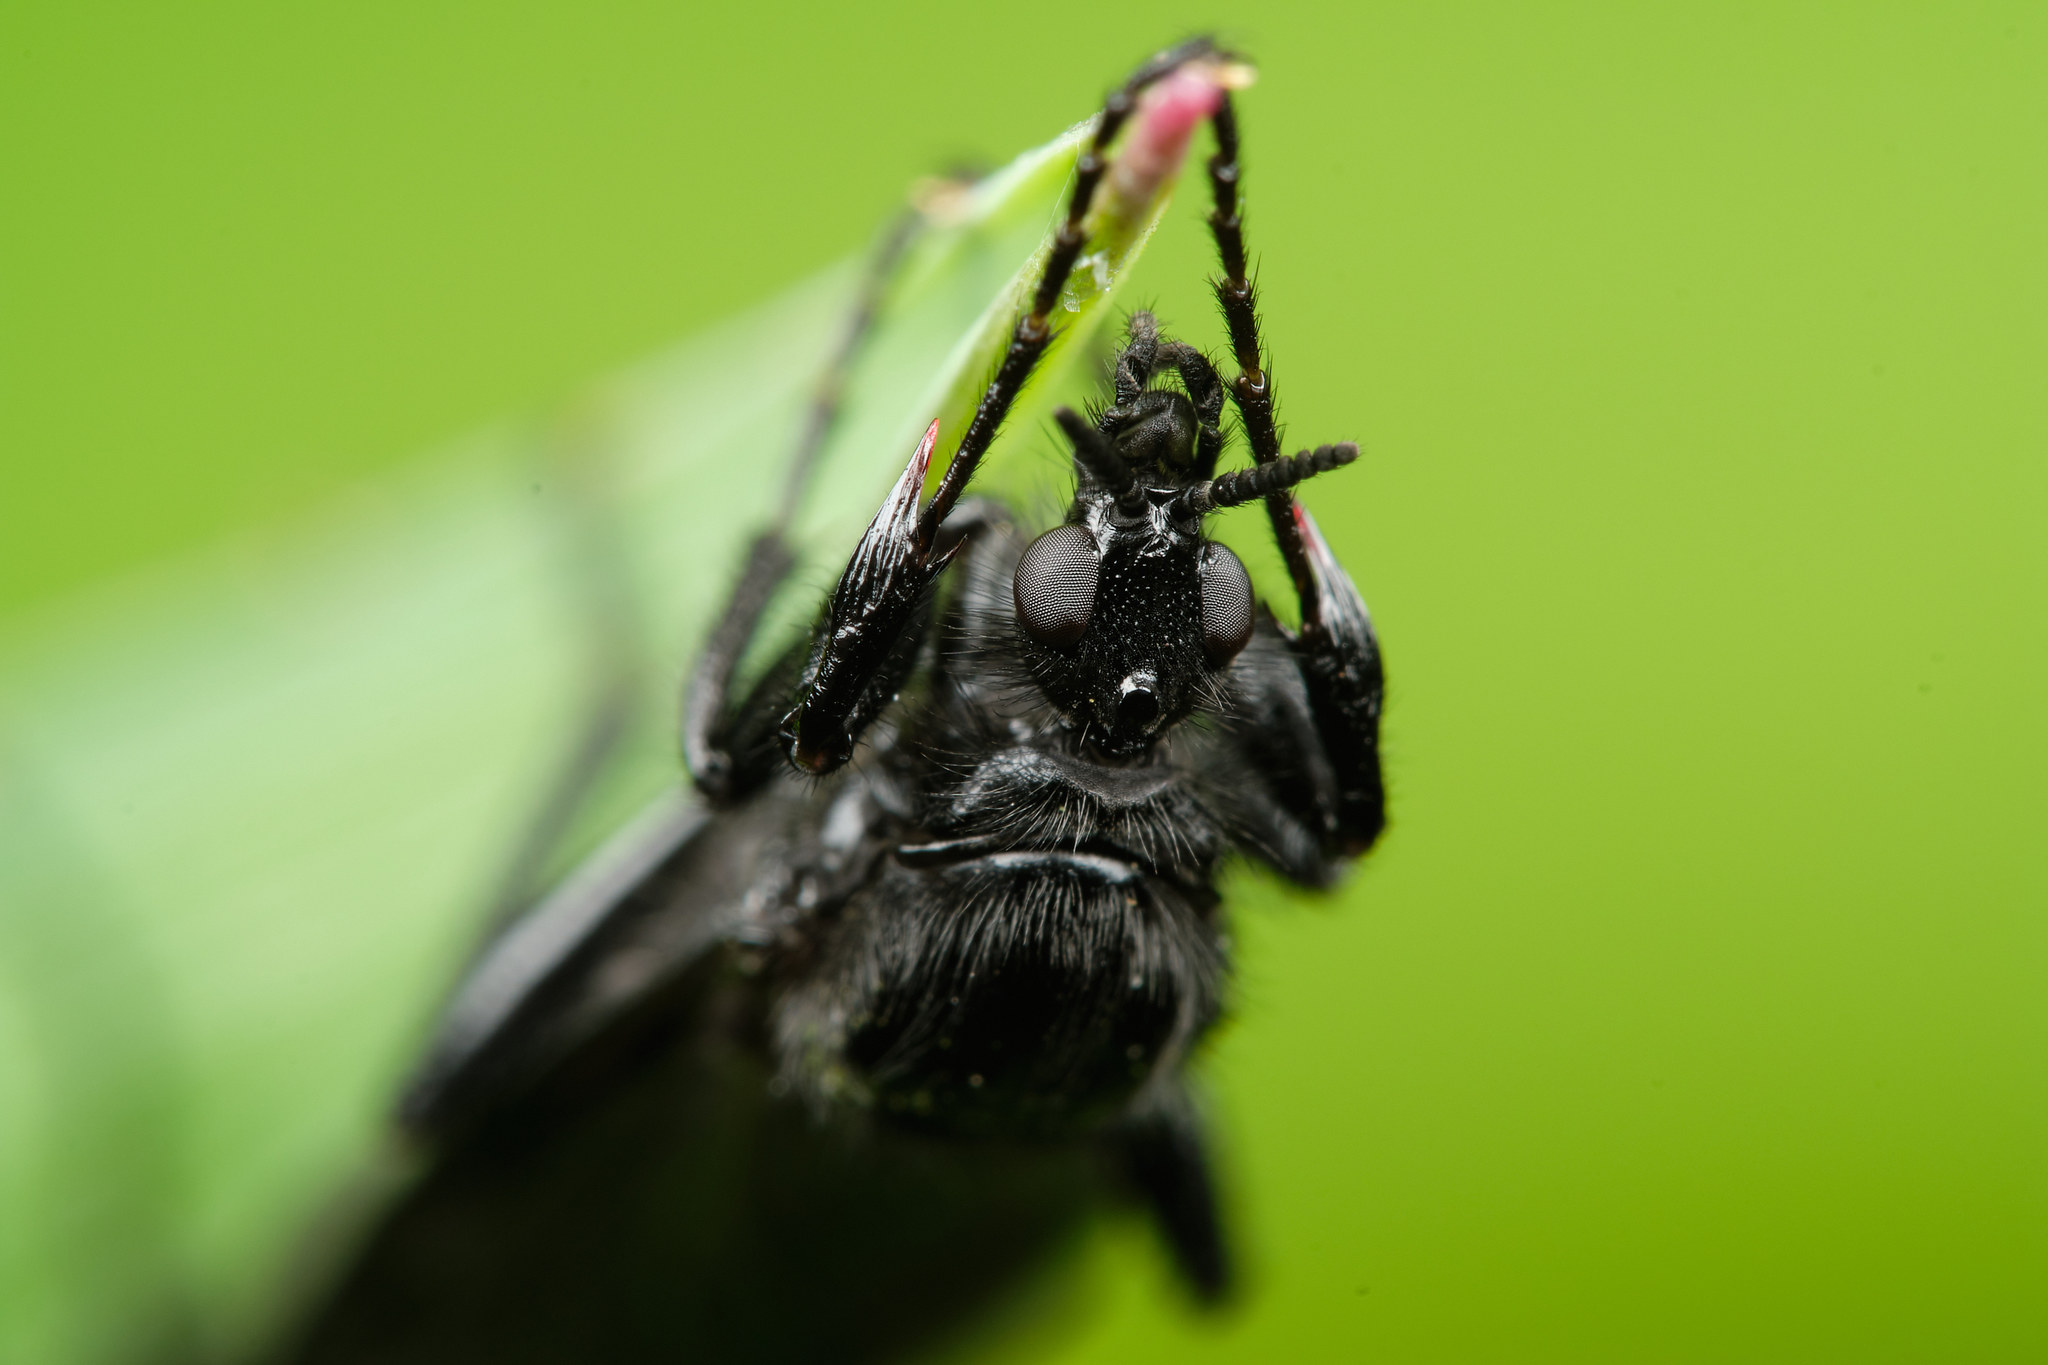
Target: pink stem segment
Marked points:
1167	115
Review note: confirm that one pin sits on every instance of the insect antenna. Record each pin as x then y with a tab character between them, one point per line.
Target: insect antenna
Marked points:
1243	485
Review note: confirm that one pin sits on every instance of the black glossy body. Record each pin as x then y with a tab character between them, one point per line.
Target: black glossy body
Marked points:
1038	943
814	1070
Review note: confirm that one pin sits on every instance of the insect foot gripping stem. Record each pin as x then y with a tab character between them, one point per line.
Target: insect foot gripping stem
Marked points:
859	657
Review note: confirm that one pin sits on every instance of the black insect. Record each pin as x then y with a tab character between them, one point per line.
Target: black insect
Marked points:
809	1070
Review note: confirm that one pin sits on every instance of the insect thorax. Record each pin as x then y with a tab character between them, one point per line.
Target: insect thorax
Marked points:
1046	944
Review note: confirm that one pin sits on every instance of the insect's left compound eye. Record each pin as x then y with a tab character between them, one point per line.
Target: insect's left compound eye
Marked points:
1226	604
1055	589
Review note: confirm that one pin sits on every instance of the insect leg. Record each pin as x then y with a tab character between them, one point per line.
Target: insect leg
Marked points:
1336	649
861	652
1166	1165
1252	390
1339	657
727	746
900	557
1033	329
728	742
1237	294
718	745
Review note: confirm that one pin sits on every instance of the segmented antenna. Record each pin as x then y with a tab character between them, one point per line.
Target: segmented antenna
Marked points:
1244	485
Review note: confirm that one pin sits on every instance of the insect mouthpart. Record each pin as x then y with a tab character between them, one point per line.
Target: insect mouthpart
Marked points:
1137	703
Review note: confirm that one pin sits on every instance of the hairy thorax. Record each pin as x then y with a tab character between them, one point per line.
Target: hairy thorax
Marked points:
1149	812
1034	965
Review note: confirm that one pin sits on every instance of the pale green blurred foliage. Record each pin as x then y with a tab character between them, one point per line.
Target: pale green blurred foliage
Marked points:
1692	1009
256	804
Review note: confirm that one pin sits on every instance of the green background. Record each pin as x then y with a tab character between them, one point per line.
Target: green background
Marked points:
1694	1008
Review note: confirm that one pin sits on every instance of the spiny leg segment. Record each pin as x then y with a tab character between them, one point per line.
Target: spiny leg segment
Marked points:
1033	330
1337	649
1252	390
725	754
852	671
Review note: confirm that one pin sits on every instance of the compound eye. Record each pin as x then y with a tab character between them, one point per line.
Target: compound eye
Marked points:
1226	604
1055	586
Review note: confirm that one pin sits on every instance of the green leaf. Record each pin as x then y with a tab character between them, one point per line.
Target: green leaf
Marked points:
254	806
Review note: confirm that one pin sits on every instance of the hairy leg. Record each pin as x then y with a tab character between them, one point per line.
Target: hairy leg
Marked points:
1166	1165
728	741
889	578
1336	649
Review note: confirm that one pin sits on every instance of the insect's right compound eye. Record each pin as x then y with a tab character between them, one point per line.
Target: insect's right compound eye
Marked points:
1226	604
1055	588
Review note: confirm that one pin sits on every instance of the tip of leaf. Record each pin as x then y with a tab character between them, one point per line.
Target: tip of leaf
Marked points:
1235	74
943	200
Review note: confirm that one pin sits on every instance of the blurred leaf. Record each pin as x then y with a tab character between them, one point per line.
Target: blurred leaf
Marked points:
253	805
